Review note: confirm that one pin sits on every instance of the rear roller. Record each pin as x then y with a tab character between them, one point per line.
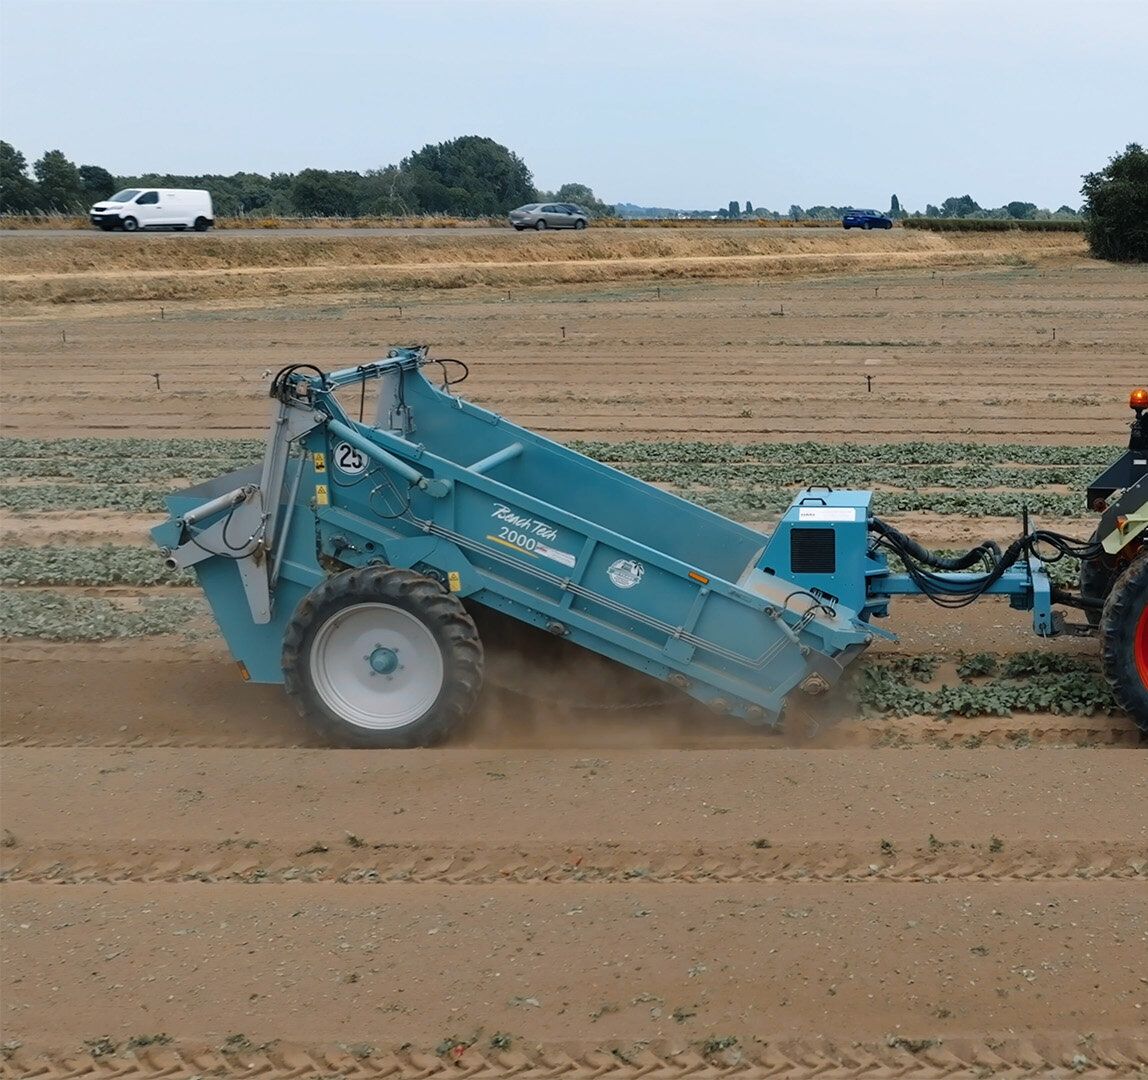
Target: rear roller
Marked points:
382	657
1124	640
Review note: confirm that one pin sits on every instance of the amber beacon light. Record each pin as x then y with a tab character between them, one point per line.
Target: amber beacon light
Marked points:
1138	399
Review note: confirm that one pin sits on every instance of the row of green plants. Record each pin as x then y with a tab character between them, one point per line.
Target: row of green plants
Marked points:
964	477
53	616
108	564
995	224
743	503
848	453
34	498
235	452
113	471
131	450
1023	682
913	477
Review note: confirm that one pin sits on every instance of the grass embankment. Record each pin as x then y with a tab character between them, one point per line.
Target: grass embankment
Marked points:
40	270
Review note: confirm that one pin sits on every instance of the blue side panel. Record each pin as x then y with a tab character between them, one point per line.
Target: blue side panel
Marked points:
259	648
822	544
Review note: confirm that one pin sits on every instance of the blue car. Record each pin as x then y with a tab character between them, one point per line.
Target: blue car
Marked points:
866	219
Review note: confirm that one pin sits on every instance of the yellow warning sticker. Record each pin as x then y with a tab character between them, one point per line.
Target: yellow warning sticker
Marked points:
320	461
321	498
454	579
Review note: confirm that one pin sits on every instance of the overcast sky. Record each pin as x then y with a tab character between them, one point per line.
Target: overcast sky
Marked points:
680	103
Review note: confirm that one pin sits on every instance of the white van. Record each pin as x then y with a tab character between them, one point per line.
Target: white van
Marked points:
154	208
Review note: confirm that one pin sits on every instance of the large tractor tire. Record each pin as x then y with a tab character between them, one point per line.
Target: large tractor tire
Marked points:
384	658
1124	640
1097	576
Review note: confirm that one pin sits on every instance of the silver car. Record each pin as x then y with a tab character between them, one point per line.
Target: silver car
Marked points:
549	216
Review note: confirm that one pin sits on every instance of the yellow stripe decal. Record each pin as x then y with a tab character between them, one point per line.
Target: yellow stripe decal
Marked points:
513	547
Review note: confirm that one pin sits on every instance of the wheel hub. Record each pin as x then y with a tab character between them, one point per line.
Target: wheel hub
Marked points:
383	661
376	666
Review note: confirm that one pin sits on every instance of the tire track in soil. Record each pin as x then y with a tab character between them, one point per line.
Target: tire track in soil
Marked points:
1008	1057
321	862
235	969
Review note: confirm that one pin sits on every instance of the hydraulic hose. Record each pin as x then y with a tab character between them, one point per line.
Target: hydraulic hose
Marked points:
921	564
987	552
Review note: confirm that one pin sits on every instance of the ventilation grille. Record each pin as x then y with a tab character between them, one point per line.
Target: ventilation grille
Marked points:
813	551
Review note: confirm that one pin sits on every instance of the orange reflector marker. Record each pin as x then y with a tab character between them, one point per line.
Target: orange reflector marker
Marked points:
694	576
1138	399
246	675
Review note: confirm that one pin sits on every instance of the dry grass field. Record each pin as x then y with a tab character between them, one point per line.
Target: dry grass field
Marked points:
105	268
193	886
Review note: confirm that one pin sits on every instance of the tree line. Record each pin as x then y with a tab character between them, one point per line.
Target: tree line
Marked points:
958	206
467	177
474	177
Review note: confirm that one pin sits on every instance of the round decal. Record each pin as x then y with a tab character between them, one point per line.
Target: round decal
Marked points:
350	460
625	573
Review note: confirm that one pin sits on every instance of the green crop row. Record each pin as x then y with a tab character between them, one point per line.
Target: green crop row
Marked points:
41	497
813	453
116	470
110	564
103	471
882	689
964	477
994	224
746	503
131	449
52	616
233	453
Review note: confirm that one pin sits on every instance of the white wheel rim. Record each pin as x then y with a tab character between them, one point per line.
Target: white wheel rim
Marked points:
376	666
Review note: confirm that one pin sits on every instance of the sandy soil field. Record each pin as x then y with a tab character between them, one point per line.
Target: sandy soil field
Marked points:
194	886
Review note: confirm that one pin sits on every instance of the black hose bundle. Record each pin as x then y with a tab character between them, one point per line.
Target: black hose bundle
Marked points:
987	552
279	382
921	563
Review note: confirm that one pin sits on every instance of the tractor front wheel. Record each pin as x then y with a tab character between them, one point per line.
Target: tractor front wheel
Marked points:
1124	640
382	657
